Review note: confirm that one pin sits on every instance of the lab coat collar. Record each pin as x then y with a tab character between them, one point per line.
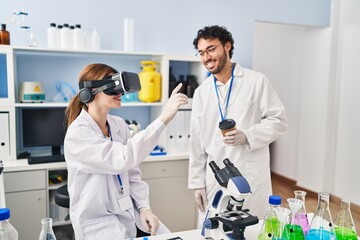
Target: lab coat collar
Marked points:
238	72
113	127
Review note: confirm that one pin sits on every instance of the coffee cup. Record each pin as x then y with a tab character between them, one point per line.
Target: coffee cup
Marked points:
227	125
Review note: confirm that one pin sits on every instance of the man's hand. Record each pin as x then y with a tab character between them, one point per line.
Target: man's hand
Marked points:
149	220
235	137
201	199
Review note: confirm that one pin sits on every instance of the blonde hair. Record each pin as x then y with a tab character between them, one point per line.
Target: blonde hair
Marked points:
96	71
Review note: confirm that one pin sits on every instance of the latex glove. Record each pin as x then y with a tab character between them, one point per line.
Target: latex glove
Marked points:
175	101
201	198
235	137
149	220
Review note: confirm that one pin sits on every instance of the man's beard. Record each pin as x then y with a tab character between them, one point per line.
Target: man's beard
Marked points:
221	65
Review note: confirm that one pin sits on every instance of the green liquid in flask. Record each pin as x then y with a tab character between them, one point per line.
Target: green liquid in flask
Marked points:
272	227
345	234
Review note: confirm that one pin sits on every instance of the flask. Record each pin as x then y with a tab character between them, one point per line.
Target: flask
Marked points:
271	223
79	37
47	232
53	36
150	81
344	223
7	231
301	215
283	216
321	226
4	35
292	230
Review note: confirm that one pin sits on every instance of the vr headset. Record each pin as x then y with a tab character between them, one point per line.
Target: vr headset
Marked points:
119	83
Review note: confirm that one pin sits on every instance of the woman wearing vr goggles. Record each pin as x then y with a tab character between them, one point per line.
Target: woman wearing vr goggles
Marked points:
108	199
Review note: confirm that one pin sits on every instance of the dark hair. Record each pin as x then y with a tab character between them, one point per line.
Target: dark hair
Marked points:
213	32
90	72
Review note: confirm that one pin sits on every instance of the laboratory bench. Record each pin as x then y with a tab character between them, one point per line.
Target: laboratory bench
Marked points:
30	192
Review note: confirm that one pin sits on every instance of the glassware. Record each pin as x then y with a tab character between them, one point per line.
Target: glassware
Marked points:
321	226
293	231
271	223
301	215
283	215
7	231
47	232
344	223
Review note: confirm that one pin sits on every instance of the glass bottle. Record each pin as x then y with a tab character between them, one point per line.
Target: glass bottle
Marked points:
292	230
4	35
47	232
271	223
344	223
7	231
321	226
301	215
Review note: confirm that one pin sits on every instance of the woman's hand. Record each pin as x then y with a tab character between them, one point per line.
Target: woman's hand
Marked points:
149	220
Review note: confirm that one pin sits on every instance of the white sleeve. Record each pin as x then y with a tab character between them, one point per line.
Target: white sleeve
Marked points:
92	153
198	156
274	120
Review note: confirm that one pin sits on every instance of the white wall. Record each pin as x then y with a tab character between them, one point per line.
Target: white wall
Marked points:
347	155
315	71
163	25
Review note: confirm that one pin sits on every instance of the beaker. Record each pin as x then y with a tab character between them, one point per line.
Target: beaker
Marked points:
321	226
293	231
344	223
271	223
301	215
283	215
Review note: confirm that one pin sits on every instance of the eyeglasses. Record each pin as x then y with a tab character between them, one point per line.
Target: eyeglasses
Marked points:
209	51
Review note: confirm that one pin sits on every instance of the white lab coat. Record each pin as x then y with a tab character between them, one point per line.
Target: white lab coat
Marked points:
98	210
258	112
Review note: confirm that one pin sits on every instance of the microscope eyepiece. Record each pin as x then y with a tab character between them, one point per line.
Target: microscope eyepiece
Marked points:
227	162
214	167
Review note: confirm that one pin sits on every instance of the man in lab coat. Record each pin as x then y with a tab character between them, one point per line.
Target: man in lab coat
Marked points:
246	96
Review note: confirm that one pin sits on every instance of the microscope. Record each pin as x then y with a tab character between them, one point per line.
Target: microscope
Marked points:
226	219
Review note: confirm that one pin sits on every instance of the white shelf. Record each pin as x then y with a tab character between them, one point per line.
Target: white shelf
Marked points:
65	104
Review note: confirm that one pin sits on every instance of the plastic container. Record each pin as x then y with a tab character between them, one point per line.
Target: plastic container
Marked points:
53	36
95	40
150	81
79	38
7	231
47	232
66	40
271	224
4	35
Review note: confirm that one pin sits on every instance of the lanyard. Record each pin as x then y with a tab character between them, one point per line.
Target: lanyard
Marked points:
118	176
223	116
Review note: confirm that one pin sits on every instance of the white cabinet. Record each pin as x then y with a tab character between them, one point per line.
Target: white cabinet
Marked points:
25	195
170	199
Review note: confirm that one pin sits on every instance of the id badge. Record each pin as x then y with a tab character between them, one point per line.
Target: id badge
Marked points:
125	203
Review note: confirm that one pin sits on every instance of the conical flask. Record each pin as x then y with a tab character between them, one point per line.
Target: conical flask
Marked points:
293	231
283	214
271	223
344	223
321	227
301	215
47	232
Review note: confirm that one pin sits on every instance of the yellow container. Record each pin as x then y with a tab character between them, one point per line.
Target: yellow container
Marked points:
150	81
